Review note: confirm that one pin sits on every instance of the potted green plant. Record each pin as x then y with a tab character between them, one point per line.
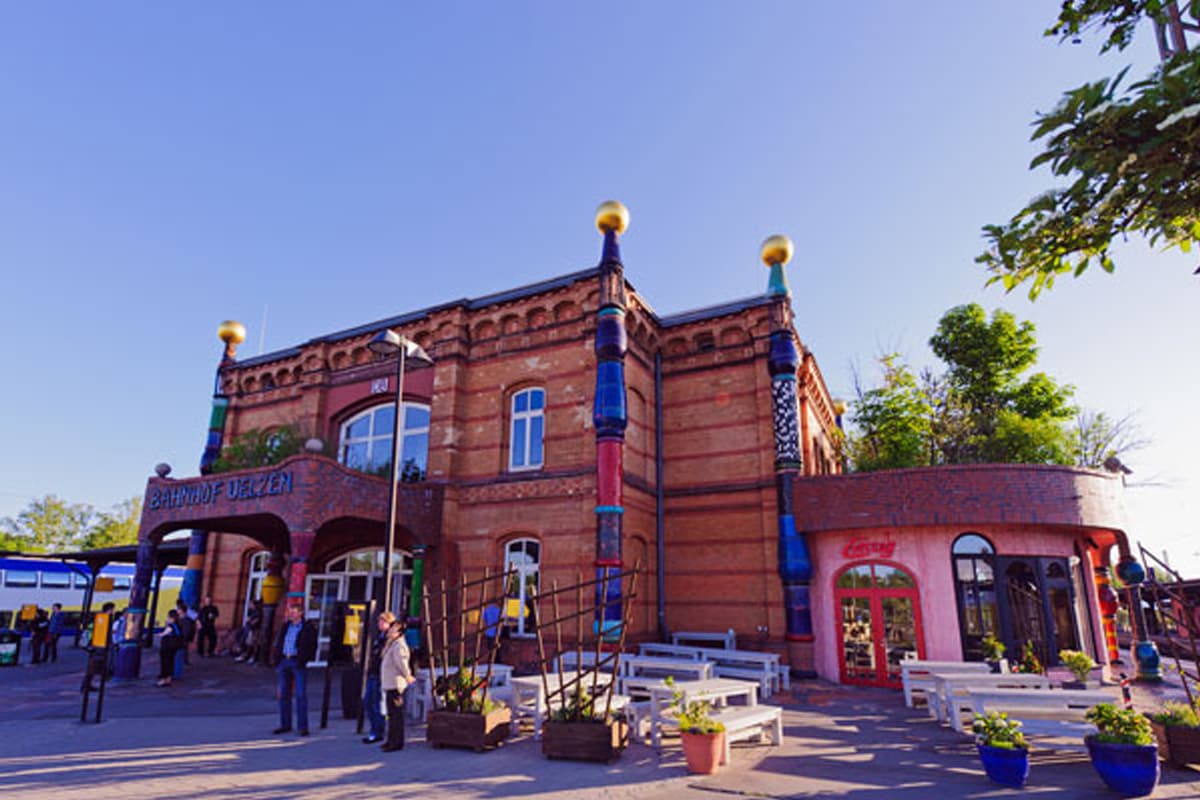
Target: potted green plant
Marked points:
1081	666
993	652
581	730
1177	729
468	717
1002	748
1029	664
703	737
1123	750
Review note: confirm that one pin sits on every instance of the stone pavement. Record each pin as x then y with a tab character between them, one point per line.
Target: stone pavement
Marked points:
209	737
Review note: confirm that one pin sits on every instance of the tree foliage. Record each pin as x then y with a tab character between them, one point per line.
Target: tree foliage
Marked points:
985	407
260	447
51	524
1129	158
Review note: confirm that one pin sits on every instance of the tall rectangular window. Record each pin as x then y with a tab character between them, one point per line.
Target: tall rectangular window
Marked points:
527	428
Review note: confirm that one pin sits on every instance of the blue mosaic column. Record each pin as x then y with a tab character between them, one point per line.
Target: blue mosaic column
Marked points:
610	418
1145	654
783	365
232	334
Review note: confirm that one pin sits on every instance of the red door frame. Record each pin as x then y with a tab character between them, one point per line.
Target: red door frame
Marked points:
875	596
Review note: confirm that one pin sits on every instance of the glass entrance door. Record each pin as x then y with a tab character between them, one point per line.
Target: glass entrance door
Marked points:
324	591
879	623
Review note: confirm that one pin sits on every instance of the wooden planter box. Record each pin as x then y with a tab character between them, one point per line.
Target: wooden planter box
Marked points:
476	732
584	741
1177	745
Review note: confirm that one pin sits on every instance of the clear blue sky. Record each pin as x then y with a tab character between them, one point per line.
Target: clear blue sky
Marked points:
164	167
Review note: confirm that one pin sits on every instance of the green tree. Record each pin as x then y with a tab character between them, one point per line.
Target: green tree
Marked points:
891	421
260	447
982	408
49	524
116	527
1130	156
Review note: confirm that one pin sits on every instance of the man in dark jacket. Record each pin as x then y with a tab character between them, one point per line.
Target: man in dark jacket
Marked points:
295	647
208	628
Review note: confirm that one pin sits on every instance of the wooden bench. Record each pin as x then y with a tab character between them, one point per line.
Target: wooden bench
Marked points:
750	722
1056	712
916	676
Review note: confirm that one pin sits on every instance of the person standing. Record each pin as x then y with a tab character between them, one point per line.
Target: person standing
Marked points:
168	646
39	634
396	676
58	622
372	694
295	647
208	627
187	627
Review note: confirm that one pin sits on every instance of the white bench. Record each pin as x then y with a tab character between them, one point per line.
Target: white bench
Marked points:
948	701
917	676
1056	712
765	681
750	722
727	640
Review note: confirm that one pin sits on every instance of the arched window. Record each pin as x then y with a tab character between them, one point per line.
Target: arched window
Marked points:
523	557
366	441
975	587
526	428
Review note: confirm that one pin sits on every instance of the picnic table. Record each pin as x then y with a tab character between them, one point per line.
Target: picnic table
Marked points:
1054	712
632	666
529	693
948	697
727	639
917	676
718	690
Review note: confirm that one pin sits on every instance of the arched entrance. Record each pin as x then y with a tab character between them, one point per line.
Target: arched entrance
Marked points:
879	622
355	577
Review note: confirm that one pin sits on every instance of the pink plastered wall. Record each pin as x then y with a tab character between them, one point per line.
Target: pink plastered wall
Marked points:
924	552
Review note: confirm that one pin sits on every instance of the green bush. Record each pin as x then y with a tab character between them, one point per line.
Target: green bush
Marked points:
1080	664
1177	715
997	730
694	716
993	648
1120	725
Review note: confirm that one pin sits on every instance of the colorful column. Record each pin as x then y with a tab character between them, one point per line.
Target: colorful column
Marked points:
232	334
1106	599
128	661
301	542
413	632
783	364
1145	655
609	417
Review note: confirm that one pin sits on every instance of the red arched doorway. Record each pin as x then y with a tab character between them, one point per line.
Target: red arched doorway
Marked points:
879	622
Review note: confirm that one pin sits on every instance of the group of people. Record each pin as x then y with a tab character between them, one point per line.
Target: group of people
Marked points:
389	674
185	625
44	632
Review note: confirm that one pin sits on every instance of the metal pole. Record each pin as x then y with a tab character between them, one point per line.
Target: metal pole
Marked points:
390	533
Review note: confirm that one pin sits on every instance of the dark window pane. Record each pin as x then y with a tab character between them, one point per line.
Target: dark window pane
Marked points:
359	429
535	441
416	417
384	419
521	402
537	399
518	443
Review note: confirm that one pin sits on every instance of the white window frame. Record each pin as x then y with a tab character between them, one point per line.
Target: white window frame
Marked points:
375	438
523	570
527	416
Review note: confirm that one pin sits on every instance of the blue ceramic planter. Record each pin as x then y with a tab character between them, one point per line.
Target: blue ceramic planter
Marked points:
1005	767
1130	769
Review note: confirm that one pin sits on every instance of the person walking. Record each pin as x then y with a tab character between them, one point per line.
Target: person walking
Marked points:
373	694
187	627
172	639
396	676
295	647
58	623
249	636
208	627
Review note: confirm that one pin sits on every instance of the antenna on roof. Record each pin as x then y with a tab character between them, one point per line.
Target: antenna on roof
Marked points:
262	331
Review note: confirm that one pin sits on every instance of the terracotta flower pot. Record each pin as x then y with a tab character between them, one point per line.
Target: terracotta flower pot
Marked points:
703	751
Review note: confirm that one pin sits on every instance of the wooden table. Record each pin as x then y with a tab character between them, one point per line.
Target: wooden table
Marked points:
718	690
632	666
726	639
946	699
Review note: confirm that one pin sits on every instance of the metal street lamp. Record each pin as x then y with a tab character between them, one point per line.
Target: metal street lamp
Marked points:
388	343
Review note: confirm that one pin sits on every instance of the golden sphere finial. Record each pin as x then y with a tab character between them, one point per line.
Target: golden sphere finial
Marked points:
231	332
612	216
776	249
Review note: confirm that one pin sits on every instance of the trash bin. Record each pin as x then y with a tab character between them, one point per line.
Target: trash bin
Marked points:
10	648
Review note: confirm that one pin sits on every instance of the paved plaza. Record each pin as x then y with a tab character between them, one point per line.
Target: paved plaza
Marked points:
208	736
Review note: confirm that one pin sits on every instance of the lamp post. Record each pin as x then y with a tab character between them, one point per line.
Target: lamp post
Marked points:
389	343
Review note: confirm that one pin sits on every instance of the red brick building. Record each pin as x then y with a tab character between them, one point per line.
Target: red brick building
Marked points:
500	468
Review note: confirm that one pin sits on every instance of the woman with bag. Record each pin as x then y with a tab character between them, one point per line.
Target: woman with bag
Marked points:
168	646
396	676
